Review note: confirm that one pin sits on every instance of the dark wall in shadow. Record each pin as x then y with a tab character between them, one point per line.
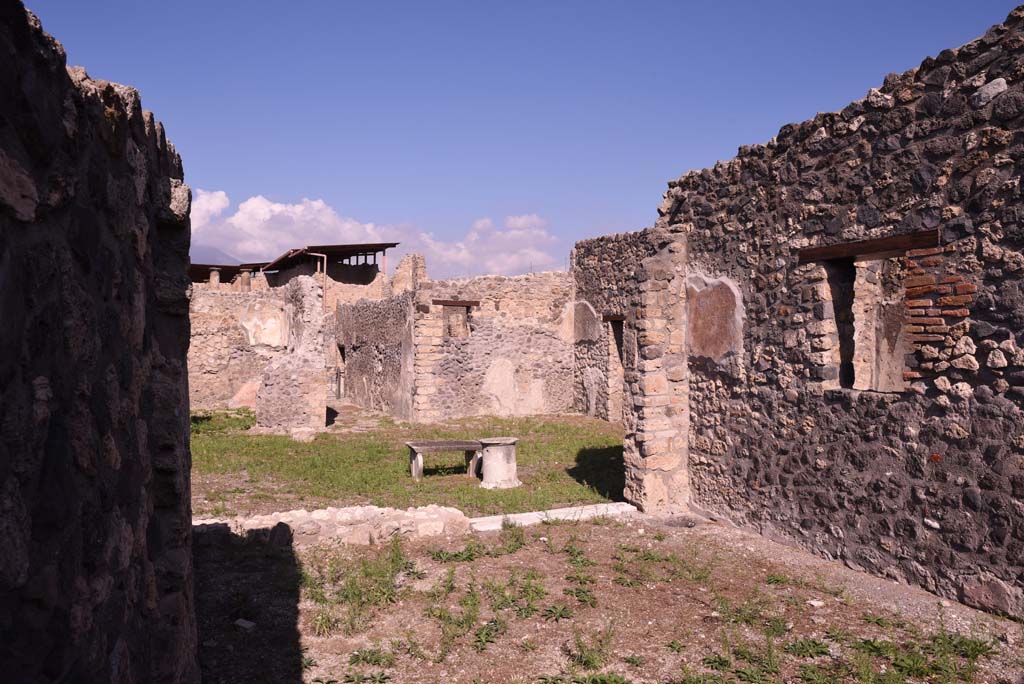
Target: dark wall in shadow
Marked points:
602	469
256	579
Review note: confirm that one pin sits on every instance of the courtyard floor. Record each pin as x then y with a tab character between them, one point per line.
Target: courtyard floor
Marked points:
639	600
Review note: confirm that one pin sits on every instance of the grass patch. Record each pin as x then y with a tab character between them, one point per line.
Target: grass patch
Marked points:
221	422
456	624
563	461
519	594
635	567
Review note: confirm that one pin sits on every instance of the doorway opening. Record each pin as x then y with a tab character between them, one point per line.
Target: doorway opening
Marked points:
339	373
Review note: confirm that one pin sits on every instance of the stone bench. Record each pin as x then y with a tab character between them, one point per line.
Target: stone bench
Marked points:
471	448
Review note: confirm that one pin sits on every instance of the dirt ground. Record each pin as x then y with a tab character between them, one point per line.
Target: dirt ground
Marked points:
637	600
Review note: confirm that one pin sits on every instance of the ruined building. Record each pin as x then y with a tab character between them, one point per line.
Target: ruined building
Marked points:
823	338
265	336
258	330
95	520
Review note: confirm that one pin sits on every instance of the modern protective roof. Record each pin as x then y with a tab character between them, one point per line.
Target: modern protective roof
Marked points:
294	256
200	272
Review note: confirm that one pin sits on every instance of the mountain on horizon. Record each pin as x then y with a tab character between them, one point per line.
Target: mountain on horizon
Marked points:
205	254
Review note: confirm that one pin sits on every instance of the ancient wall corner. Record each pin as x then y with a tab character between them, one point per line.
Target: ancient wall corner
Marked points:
656	453
409	273
878	382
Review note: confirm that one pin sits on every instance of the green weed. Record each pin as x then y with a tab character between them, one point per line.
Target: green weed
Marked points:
806	648
590	651
488	633
557	612
716	661
583	595
372	656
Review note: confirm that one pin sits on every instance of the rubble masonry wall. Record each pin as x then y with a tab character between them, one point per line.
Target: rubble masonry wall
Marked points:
606	278
378	354
96	566
921	484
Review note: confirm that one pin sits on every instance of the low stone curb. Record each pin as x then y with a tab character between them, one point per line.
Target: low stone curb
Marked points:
351	525
491	523
370	524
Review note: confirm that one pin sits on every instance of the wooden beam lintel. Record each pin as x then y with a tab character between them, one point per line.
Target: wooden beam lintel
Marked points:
879	248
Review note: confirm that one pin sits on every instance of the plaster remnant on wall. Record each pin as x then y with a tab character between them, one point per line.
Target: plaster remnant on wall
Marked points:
715	317
265	323
587	323
513	391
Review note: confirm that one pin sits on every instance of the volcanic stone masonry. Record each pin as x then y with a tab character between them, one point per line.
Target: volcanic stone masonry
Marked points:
829	331
95	520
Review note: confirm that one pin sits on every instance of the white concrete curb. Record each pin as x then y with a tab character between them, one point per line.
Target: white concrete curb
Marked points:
492	523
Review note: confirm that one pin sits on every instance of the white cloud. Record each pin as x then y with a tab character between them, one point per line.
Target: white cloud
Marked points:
206	206
521	244
525	222
260	229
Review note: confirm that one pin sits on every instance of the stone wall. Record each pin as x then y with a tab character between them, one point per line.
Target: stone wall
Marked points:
771	378
410	271
509	355
262	349
378	354
606	280
96	564
351	525
646	292
235	335
347	283
293	393
453	348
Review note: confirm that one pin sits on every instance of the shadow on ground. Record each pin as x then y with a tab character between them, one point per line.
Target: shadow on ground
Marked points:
601	469
199	420
254	579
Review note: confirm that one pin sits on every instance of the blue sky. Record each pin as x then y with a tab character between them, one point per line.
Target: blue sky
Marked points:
489	135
